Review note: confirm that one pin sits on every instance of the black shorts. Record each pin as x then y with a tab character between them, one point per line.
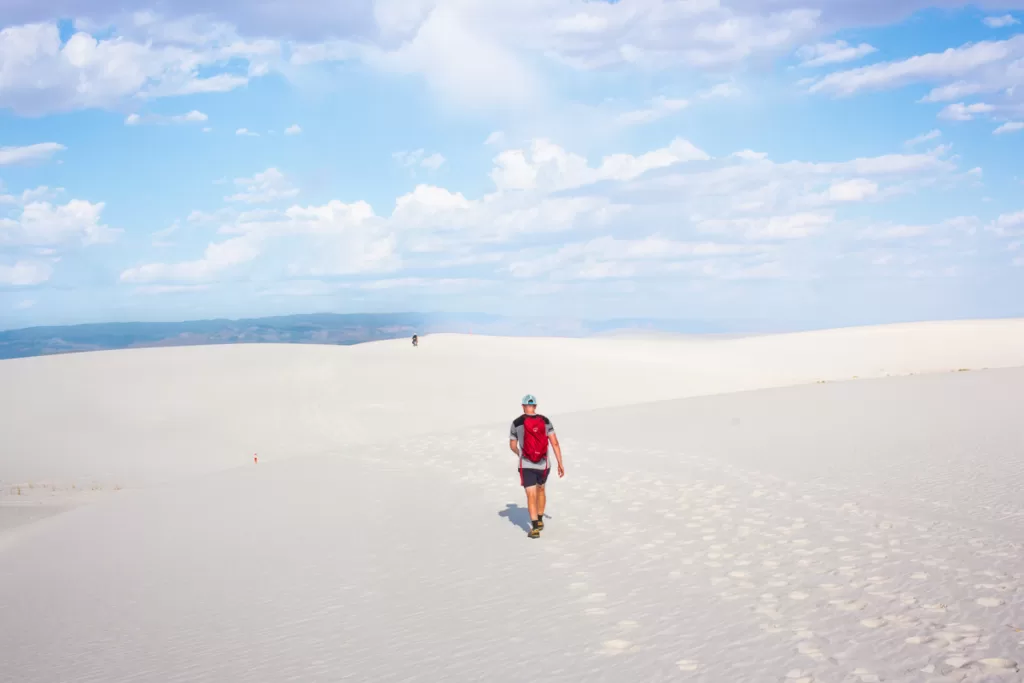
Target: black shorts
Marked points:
528	477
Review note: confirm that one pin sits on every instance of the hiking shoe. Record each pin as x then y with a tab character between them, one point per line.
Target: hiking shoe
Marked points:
534	533
540	523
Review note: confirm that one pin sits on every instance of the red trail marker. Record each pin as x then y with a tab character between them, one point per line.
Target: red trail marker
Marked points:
255	460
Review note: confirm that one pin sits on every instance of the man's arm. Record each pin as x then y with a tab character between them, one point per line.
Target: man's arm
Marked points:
553	438
513	440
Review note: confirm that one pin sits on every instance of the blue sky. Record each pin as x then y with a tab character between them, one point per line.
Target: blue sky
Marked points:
814	163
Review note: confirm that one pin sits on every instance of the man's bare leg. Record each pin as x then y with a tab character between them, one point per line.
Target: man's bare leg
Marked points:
542	500
531	501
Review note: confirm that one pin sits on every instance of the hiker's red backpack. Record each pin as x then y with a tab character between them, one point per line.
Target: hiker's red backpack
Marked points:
535	438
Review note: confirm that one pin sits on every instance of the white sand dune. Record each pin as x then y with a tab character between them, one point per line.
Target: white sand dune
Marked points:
793	531
131	417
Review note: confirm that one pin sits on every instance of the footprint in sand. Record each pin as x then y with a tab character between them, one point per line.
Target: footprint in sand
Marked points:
872	623
989	602
687	664
998	663
615	647
798	595
957	662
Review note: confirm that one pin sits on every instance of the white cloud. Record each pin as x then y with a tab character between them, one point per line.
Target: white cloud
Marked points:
671	34
25	273
965	112
419	158
495	138
608	257
344	239
657	108
1000	22
924	137
461	55
855	190
197	86
331	239
647	215
245	132
421	283
268	186
29	153
1009	127
46	224
171	289
207	130
549	167
489	54
293	129
193	116
40	73
935	66
838	52
722	90
994	69
495	54
217	258
750	155
25	304
894	232
790	227
160	237
37	194
1008	225
433	162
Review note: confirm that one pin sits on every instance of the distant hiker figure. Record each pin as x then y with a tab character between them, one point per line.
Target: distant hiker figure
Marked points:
529	439
415	340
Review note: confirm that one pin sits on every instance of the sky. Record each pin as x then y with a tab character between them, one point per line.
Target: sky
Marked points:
790	163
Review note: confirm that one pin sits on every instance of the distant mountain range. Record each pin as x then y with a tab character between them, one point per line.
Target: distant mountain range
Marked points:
319	328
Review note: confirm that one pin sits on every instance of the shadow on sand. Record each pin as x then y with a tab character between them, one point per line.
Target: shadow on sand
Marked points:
519	516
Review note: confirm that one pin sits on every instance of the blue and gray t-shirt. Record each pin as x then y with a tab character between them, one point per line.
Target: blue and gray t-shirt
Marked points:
517	433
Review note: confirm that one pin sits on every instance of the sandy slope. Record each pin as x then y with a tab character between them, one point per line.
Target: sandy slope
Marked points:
128	417
854	531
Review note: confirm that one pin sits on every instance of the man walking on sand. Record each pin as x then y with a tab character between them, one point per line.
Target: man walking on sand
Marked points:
529	439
